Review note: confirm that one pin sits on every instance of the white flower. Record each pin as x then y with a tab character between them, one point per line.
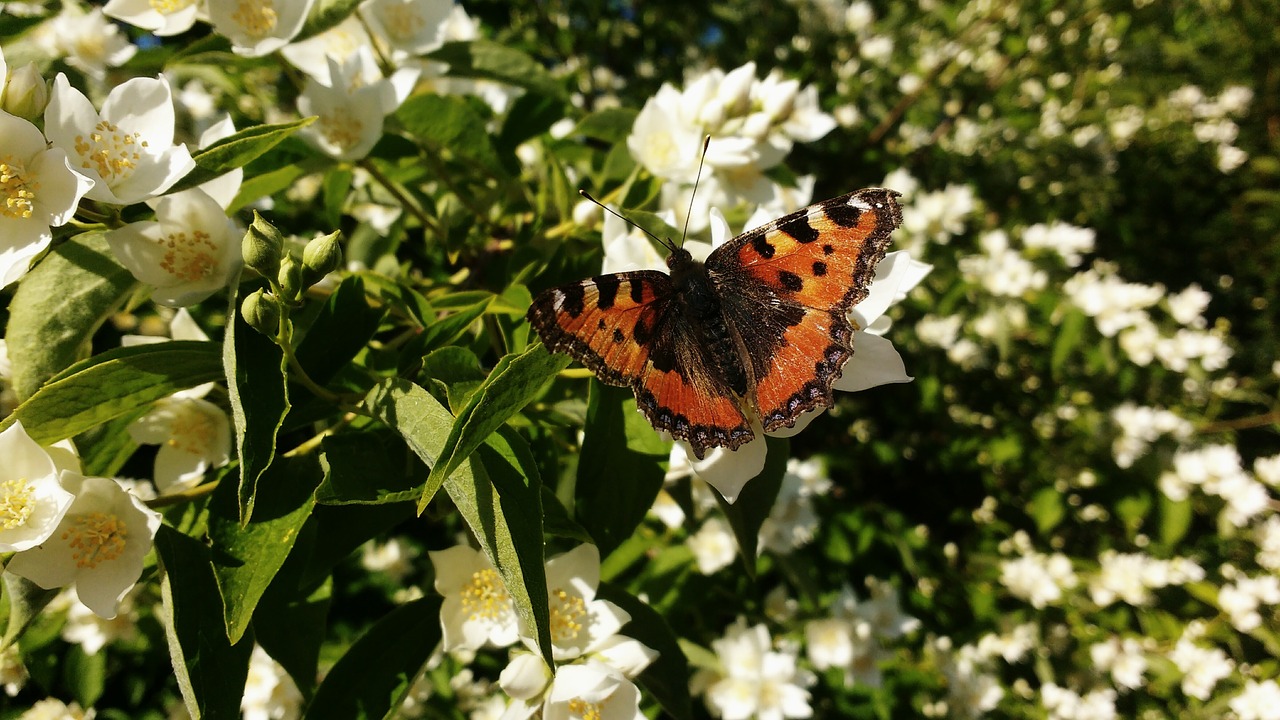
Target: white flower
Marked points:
99	545
412	27
13	674
1002	270
162	18
756	679
1113	303
477	610
340	43
1065	704
877	49
23	92
580	622
33	500
92	632
883	613
1188	306
971	691
859	17
54	709
839	643
38	190
1068	241
593	690
394	557
258	27
1202	667
194	435
1141	426
1037	578
128	149
663	140
1240	600
90	42
1123	658
269	692
713	546
1258	701
351	108
936	216
1130	577
792	521
190	251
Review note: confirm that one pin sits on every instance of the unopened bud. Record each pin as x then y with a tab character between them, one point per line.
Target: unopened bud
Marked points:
320	257
262	312
290	278
262	246
26	94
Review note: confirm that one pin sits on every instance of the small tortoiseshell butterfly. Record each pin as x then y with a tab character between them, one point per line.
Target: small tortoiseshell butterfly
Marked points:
760	328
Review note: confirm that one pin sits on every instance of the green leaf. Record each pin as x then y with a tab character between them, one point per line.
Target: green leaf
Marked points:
23	602
1067	339
210	670
336	187
58	307
507	526
458	370
114	383
446	122
556	521
246	557
369	468
255	371
611	125
326	14
667	678
489	60
86	675
1046	508
266	184
372	678
530	115
291	616
620	470
1175	519
514	382
448	329
237	151
754	503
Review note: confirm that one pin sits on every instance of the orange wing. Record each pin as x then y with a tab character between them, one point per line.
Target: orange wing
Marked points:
787	287
625	329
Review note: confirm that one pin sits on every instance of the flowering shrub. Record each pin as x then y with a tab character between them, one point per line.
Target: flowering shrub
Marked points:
277	439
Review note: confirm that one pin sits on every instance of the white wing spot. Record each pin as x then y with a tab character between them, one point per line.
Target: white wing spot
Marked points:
557	300
859	203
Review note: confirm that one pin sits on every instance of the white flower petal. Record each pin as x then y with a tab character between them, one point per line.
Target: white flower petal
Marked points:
729	470
875	362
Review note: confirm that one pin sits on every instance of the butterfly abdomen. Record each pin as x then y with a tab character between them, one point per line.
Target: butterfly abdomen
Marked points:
702	308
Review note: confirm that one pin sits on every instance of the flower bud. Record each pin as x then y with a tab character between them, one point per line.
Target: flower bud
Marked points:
26	93
262	312
320	257
290	278
262	246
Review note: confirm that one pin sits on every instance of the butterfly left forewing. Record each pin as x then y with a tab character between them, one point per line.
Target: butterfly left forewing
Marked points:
787	289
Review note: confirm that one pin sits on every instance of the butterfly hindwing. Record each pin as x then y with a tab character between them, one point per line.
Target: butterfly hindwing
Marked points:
787	288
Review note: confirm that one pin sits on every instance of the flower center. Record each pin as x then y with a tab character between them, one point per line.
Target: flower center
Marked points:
257	19
401	22
168	7
15	503
95	537
193	432
114	154
340	128
17	189
189	256
485	597
567	612
585	710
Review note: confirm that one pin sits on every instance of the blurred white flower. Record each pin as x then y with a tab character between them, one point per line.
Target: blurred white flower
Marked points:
793	522
33	499
1069	241
350	107
127	150
340	43
755	680
1001	269
935	217
1241	599
38	190
876	49
90	42
477	610
1188	306
1066	704
269	692
54	709
840	643
99	545
13	674
1267	535
713	546
190	251
972	691
1130	577
194	436
1260	700
1202	667
258	27
162	17
1113	303
1140	426
93	632
394	557
412	27
1038	578
1123	658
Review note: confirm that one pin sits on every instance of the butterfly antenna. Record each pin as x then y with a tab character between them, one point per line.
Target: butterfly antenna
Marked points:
664	243
706	143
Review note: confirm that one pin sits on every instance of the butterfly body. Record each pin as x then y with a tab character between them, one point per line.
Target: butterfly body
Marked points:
760	330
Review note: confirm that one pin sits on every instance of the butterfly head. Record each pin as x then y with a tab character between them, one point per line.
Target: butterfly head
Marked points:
678	258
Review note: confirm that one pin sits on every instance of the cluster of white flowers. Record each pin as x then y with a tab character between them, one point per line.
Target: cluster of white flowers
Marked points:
1130	577
930	217
1066	704
1001	269
1260	700
972	688
755	678
753	124
852	638
595	663
1141	426
1201	667
67	529
1038	578
1267	536
1216	470
269	692
1211	119
1114	304
1068	241
1124	658
1241	599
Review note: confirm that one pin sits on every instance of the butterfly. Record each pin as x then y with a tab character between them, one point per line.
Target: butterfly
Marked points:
758	331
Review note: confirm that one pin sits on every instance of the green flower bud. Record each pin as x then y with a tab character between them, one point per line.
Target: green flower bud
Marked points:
262	246
262	312
290	278
320	257
26	93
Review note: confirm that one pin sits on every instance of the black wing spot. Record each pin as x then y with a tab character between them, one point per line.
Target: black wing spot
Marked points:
642	333
844	215
618	336
801	230
637	292
607	286
819	268
574	295
828	249
790	281
761	245
600	324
